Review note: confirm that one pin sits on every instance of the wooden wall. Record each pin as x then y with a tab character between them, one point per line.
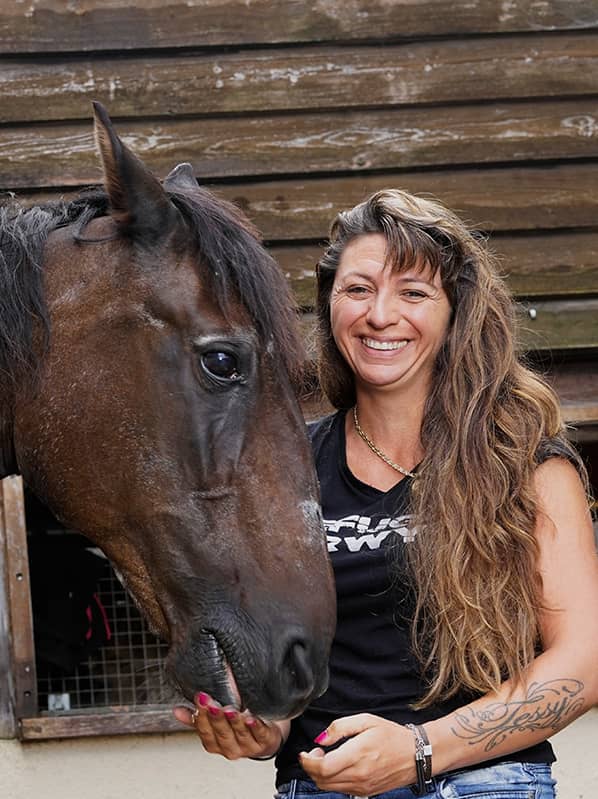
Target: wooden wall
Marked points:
296	109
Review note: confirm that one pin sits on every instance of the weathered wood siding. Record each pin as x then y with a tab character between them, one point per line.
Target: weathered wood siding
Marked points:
297	109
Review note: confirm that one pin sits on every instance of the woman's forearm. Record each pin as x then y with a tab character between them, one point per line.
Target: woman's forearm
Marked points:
554	693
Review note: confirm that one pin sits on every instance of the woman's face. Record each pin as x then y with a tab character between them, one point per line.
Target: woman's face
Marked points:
388	326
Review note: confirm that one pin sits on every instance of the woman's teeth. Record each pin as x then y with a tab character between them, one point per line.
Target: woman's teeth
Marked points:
385	345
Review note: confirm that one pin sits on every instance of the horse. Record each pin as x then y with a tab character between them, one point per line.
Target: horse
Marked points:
148	351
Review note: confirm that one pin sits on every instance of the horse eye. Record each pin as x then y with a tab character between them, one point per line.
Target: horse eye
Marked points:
222	365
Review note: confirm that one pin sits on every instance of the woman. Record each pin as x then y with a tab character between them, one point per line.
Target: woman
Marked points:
458	528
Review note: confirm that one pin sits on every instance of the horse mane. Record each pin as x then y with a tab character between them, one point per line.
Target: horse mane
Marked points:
23	233
231	260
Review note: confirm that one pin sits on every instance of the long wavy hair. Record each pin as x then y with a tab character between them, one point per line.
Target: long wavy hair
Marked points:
477	590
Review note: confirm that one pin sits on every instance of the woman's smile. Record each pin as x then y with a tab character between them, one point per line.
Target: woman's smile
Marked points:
377	344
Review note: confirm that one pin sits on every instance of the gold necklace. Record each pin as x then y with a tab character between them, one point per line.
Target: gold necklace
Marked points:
375	449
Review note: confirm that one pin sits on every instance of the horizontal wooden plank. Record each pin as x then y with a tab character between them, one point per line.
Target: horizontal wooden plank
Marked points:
302	78
575	382
500	199
127	721
550	264
55	25
566	325
525	198
558	325
65	154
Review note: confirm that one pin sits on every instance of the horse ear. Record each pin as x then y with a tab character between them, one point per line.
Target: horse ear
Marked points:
182	177
139	203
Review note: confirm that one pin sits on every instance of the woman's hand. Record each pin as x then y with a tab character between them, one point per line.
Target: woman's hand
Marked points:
377	756
227	732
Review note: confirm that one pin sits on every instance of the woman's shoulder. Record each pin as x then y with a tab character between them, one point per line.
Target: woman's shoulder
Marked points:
559	447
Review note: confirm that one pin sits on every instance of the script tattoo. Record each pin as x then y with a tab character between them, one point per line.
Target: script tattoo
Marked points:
546	707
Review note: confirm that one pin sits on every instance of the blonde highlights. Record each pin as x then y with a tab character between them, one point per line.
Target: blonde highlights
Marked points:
473	563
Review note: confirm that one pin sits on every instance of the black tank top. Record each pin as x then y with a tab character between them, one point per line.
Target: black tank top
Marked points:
372	667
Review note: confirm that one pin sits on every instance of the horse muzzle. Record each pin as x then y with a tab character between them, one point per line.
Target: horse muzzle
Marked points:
273	674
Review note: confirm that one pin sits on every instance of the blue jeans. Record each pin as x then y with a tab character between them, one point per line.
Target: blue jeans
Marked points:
503	781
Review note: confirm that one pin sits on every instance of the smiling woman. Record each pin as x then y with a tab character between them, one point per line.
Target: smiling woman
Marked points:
458	529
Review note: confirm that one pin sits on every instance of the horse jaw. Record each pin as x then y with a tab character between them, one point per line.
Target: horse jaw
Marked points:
138	584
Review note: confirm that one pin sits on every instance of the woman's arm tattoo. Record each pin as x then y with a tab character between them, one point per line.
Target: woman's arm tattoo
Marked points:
546	707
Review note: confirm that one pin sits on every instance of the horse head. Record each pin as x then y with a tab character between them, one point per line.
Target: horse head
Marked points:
159	418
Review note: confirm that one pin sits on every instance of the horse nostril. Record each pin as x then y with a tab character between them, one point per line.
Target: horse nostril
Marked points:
296	666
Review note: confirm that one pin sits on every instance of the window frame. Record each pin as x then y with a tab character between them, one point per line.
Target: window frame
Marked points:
19	712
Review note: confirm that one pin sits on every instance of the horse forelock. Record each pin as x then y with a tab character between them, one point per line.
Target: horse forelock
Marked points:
233	260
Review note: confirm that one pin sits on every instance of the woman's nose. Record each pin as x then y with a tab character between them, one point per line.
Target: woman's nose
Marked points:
383	310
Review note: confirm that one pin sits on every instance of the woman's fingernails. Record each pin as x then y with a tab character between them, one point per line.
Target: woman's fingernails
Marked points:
321	737
202	699
213	710
230	714
250	722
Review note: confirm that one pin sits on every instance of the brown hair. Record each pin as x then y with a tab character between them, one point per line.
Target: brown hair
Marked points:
473	562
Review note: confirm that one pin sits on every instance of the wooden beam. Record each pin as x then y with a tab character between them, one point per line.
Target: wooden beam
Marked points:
546	325
508	199
19	597
53	25
558	325
75	725
300	79
541	197
554	264
65	154
575	382
8	718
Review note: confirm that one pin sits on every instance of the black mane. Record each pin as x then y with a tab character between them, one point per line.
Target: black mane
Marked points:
230	257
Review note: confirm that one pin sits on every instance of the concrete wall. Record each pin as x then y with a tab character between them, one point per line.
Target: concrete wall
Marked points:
175	767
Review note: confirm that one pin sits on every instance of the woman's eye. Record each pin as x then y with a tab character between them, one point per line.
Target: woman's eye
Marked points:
222	365
356	290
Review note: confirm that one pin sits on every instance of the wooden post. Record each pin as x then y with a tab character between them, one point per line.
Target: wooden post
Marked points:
19	655
8	723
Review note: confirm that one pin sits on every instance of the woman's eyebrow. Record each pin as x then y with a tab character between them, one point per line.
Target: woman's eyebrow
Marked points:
412	279
356	273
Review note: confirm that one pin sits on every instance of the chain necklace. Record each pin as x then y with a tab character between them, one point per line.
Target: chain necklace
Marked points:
375	449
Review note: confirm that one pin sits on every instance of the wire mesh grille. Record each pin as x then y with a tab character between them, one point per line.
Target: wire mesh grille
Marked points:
128	672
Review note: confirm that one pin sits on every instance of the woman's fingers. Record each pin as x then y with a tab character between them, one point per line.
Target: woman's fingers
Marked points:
228	732
215	731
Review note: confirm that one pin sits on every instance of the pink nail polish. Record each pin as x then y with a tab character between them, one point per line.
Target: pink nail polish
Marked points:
213	710
321	737
230	714
202	699
250	722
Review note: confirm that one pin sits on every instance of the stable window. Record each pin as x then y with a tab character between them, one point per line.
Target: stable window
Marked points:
77	655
